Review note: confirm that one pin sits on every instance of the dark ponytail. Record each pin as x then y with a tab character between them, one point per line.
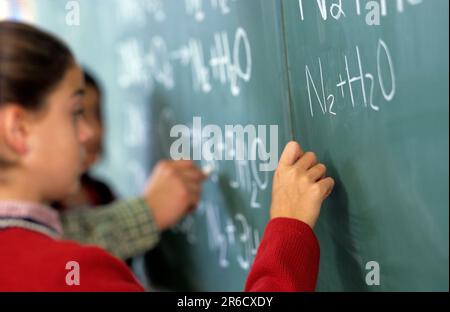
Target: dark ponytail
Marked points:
32	63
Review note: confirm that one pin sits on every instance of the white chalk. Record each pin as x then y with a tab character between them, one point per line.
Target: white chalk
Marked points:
207	169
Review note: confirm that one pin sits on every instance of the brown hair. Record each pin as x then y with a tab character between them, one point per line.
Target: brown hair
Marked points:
32	63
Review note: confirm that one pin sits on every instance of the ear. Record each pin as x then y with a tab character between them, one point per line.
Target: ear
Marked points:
14	130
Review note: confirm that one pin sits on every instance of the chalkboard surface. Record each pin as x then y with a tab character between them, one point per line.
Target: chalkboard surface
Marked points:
371	100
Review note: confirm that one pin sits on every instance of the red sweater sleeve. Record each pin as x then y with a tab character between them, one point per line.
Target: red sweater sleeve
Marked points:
287	258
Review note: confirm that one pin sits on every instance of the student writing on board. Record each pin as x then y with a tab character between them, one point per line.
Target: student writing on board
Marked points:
128	227
42	87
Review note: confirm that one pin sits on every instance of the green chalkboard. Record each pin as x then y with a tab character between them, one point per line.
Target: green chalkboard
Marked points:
371	100
387	149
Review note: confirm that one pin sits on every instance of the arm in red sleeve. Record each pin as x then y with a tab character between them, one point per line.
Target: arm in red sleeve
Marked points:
287	258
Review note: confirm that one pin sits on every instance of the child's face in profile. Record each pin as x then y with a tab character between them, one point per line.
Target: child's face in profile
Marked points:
91	105
56	152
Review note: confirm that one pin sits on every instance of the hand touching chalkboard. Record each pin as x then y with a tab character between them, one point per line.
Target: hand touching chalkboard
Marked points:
288	257
299	186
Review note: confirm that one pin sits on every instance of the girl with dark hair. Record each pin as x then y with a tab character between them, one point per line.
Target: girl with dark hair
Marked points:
42	137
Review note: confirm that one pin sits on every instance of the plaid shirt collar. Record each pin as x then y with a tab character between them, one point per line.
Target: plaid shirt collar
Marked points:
31	216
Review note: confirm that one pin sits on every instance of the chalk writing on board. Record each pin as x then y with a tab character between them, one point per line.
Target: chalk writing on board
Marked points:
245	174
248	178
223	235
339	9
224	64
142	68
137	12
159	63
245	177
349	80
231	237
132	70
192	54
196	8
229	63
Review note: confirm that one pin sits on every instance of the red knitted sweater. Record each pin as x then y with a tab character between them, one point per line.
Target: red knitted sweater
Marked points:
287	260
